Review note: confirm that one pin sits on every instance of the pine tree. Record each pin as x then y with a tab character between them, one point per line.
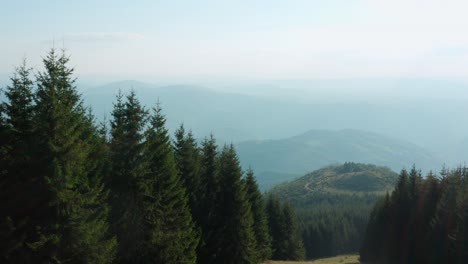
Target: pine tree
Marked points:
210	219
460	236
128	166
287	242
3	139
187	156
237	241
172	235
260	226
293	241
275	218
16	162
376	239
67	212
443	223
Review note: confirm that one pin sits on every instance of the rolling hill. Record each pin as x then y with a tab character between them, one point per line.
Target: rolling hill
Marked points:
317	148
336	184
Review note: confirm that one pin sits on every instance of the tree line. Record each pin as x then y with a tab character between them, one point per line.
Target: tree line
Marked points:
76	191
333	230
424	220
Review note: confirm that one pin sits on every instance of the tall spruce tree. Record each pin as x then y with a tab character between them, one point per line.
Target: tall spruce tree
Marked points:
237	238
260	220
460	235
293	240
210	219
67	210
128	166
275	218
187	156
286	240
16	162
3	137
172	235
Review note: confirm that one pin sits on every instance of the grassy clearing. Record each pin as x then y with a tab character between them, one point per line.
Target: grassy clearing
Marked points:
345	259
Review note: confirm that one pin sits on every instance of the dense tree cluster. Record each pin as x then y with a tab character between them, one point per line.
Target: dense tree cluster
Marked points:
286	240
333	230
53	201
424	220
73	191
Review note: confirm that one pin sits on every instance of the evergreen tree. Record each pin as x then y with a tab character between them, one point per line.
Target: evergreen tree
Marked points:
377	233
16	162
210	219
260	226
287	242
187	156
460	235
237	238
128	166
444	219
275	218
172	236
3	139
292	239
65	208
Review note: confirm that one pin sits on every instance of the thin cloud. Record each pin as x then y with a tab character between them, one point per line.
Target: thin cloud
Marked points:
103	37
98	37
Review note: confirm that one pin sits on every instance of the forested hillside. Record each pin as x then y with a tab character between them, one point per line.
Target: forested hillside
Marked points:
123	191
334	203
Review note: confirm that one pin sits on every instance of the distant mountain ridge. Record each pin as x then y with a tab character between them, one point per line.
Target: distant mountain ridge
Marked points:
318	148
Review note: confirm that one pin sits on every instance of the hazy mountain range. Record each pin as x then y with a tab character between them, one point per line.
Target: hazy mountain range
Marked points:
282	138
285	159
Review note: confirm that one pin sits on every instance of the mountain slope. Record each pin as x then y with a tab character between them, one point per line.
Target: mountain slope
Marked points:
338	183
318	148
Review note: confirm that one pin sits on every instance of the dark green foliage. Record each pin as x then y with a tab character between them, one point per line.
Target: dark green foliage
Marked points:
287	243
74	195
235	213
172	236
16	173
260	225
275	216
188	157
59	211
210	219
129	119
422	221
293	241
330	230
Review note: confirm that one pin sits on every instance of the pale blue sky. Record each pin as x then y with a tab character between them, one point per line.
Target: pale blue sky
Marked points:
256	39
